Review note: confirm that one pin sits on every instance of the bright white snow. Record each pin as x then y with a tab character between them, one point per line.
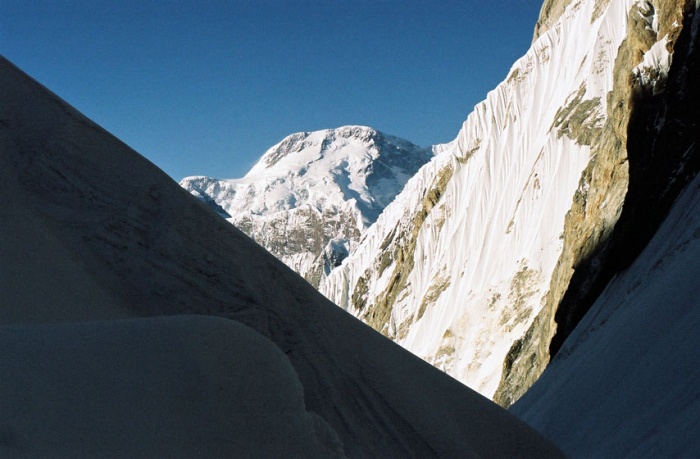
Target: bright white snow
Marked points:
495	234
341	177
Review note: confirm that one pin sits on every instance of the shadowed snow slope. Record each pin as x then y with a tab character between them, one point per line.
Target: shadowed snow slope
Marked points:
197	378
627	381
92	232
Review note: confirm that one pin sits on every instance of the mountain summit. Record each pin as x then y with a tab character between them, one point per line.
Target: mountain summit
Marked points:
309	198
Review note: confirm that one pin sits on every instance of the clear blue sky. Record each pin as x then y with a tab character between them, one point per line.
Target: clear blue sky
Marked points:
205	87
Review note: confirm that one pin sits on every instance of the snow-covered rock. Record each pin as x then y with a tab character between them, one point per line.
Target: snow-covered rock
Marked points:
310	197
626	382
458	267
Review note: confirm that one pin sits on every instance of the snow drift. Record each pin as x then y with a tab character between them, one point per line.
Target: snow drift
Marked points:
181	386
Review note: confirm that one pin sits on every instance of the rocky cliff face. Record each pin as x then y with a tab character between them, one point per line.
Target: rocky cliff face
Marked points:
310	197
492	246
550	13
633	358
458	268
646	154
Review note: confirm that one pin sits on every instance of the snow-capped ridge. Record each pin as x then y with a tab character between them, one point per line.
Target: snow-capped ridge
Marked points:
319	143
313	188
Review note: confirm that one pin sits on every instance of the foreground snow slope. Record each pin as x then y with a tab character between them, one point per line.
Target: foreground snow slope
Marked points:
181	386
91	231
627	381
457	268
310	197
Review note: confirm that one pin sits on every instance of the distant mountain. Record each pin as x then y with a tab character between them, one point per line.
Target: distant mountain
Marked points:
311	197
136	322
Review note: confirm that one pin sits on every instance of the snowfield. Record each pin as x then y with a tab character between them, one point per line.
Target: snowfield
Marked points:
181	386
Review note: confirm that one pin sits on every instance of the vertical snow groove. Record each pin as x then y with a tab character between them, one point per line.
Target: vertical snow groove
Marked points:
477	274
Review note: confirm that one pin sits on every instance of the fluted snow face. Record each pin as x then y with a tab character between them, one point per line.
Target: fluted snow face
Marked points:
312	195
456	269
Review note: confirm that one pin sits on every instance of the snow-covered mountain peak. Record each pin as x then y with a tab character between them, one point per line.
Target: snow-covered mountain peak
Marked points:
312	195
305	146
350	163
347	150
